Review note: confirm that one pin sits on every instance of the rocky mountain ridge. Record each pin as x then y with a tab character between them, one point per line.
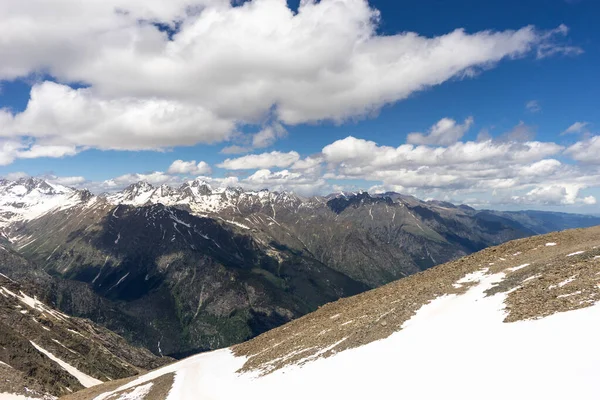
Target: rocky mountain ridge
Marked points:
195	268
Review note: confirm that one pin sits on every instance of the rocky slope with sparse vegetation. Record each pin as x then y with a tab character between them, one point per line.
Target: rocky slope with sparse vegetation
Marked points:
525	309
34	335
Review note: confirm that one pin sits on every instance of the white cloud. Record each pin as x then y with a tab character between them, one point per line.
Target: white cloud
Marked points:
353	153
71	181
589	200
261	161
11	149
227	66
555	195
533	106
308	163
586	151
577	127
546	49
154	178
445	132
283	181
268	135
53	151
66	117
541	168
189	168
495	172
13	176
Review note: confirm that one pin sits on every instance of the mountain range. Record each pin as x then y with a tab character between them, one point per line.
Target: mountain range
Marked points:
195	268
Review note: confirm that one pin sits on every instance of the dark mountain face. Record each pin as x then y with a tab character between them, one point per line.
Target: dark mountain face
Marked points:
178	283
189	269
30	328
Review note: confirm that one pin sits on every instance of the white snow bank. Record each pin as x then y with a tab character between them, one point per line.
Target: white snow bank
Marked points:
138	393
574	254
513	269
551	244
460	341
85	380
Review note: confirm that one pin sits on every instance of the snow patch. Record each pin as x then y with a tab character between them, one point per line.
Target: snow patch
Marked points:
568	294
513	269
563	283
138	393
85	380
475	343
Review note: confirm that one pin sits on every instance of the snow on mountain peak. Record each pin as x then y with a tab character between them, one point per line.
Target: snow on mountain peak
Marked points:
29	198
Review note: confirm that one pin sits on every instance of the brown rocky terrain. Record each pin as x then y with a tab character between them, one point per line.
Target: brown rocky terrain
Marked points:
541	276
546	274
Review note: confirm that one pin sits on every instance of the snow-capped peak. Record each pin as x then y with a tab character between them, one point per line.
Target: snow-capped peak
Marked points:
29	198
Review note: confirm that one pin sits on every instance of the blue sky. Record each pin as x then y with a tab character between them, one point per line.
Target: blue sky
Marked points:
91	119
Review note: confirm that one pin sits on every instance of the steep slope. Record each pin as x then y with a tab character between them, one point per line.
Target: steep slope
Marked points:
174	282
45	353
519	320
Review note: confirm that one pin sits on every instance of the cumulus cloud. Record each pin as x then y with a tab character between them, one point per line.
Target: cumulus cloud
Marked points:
58	114
541	168
189	168
308	163
261	161
268	135
586	151
13	176
11	149
225	66
555	195
156	178
71	181
361	155
492	171
445	132
283	181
